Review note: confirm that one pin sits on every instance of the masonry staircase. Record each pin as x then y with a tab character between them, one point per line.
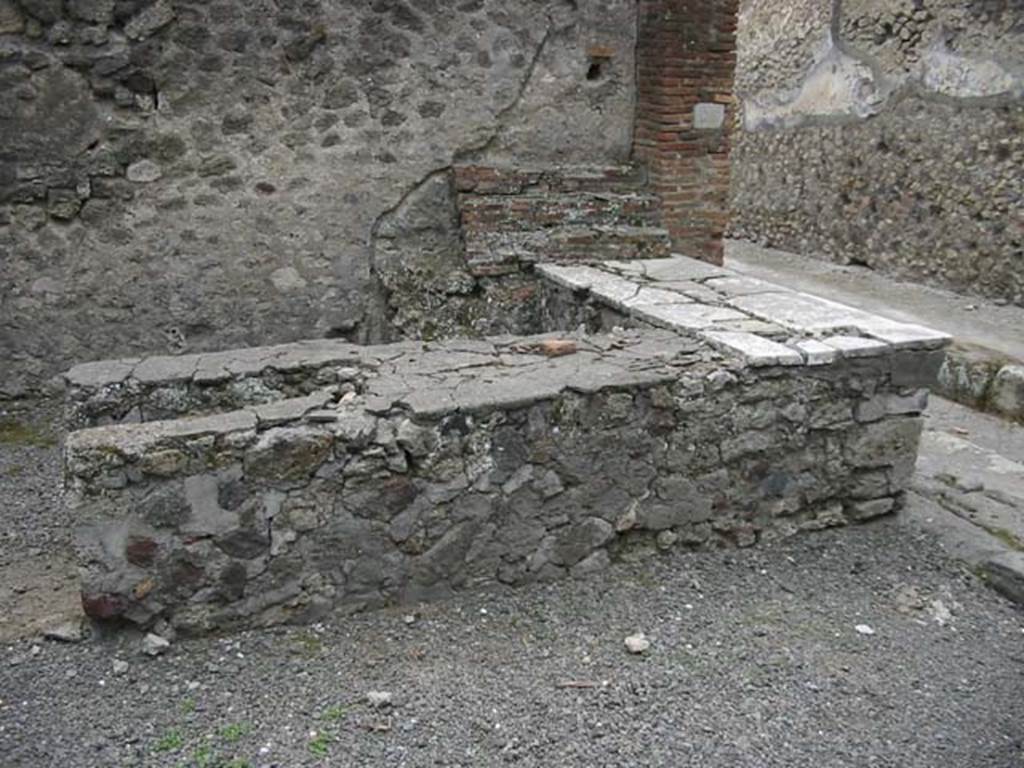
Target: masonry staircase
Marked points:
512	217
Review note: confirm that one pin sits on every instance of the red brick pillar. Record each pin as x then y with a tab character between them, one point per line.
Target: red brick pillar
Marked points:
686	61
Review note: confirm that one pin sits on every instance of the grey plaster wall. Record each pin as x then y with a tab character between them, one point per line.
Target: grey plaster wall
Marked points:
187	175
888	134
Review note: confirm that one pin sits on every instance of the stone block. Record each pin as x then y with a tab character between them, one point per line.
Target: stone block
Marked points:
916	369
885	443
1007	396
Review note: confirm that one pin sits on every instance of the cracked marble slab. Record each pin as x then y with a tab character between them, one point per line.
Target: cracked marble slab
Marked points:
758	321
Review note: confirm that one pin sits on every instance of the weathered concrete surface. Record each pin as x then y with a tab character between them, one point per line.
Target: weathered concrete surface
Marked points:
192	175
457	464
982	368
885	134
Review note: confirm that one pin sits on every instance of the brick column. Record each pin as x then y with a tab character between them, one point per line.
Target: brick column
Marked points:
686	61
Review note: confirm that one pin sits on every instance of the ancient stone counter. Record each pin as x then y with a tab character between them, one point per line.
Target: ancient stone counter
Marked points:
500	461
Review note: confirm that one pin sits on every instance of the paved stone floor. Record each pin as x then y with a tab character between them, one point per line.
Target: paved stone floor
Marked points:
868	646
985	365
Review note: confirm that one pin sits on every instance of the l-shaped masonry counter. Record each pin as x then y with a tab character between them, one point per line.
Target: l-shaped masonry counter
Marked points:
362	476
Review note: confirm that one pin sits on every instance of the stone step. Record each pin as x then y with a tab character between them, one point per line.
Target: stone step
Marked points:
482	180
516	217
498	251
521	213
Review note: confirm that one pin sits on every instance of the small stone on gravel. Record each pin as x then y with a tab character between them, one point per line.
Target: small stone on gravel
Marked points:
379	699
637	643
120	667
864	629
154	645
68	632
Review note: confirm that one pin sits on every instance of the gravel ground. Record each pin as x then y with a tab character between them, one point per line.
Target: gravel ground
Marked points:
34	521
755	660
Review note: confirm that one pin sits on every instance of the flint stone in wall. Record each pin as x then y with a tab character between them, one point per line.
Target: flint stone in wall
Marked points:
580	540
149	20
11	21
46	11
1008	392
91	11
885	444
287	454
144	172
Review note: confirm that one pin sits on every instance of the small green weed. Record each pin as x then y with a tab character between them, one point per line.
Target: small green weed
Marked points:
334	714
171	741
320	744
233	733
203	757
308	645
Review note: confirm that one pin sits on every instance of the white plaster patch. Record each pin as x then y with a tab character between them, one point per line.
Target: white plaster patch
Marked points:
837	85
708	116
962	77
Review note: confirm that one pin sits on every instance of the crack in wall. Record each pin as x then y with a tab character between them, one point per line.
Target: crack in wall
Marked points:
381	313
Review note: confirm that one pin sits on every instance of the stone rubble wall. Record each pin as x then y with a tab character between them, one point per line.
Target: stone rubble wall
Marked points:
885	134
472	463
190	175
152	389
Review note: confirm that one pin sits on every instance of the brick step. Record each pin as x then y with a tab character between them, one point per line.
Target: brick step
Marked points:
525	212
481	180
490	252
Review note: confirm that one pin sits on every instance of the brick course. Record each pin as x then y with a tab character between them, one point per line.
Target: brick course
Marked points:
686	55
